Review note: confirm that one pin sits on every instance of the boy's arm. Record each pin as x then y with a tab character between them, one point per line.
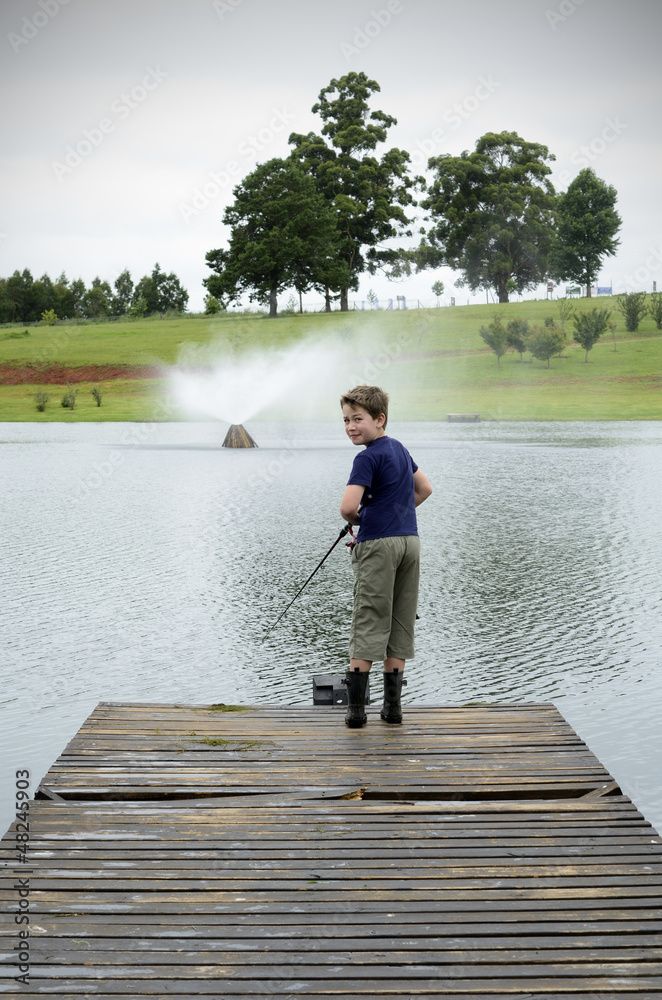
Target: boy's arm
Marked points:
349	507
422	487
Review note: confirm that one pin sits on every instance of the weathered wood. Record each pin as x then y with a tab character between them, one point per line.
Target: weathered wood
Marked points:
483	851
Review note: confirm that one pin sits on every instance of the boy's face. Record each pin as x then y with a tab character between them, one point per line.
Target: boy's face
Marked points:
360	427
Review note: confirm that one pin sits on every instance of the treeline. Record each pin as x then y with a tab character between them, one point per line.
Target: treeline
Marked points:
334	208
24	299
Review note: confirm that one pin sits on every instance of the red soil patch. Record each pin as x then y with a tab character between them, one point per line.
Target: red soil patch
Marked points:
49	374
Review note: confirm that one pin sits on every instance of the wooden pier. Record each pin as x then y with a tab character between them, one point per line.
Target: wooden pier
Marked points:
473	852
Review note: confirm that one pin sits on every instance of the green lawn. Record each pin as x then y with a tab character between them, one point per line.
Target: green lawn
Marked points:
433	361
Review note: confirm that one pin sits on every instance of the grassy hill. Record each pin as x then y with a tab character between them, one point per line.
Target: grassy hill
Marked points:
432	360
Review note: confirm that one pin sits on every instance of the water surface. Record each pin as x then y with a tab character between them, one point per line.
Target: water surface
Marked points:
144	563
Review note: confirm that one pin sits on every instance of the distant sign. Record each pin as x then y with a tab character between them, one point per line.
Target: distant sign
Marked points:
573	290
604	290
550	286
452	300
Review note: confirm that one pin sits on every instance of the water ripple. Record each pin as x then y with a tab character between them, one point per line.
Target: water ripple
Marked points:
151	572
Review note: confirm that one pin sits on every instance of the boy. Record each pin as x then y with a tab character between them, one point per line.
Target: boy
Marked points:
383	489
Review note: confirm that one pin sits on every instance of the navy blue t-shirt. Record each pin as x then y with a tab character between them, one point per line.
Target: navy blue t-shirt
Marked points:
386	469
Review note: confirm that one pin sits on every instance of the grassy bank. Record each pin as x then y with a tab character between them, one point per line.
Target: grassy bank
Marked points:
433	362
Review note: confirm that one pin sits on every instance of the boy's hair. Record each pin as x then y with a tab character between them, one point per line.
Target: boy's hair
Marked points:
370	398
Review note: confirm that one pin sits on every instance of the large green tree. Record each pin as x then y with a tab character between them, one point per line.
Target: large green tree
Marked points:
284	234
493	212
587	223
161	292
370	195
123	293
97	299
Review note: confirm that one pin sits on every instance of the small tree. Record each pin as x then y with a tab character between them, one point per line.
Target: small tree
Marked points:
41	398
633	307
438	290
96	394
68	400
49	317
655	308
290	306
518	335
212	305
372	299
565	308
545	342
589	327
612	329
496	338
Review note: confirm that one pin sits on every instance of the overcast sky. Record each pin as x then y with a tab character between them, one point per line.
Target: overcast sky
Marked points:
166	98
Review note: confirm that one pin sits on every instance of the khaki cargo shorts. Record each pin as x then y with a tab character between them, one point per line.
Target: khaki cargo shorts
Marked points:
386	572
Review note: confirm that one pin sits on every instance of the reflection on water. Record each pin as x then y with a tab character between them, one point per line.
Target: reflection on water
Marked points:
146	562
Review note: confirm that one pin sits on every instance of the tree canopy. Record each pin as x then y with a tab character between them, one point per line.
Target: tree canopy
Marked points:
159	291
587	223
284	234
493	212
369	194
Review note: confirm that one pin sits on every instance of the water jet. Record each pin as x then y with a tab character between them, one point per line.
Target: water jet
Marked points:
238	437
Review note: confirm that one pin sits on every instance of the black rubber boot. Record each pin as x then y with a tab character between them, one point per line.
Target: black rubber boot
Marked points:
356	681
391	710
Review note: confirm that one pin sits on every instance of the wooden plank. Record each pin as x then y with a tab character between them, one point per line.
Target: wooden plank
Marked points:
488	853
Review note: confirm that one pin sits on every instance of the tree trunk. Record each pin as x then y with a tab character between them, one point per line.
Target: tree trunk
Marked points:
300	302
503	290
344	294
327	300
273	303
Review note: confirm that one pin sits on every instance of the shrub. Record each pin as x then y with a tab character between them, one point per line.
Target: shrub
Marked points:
212	305
633	307
68	400
16	335
565	308
96	394
49	317
41	398
655	308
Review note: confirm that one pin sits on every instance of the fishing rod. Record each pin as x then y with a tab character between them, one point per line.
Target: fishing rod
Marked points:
343	532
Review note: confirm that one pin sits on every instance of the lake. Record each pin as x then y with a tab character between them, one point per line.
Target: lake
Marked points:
143	562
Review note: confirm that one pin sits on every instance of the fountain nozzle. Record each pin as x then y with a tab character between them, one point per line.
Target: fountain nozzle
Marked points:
238	437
